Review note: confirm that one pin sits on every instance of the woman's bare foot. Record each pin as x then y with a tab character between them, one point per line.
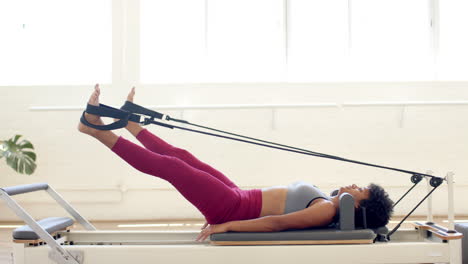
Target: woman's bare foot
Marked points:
93	119
132	127
131	94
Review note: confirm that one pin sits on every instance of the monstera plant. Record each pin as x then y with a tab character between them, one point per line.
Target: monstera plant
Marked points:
19	154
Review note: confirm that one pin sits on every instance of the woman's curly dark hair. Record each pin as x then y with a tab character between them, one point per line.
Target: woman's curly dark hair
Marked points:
378	208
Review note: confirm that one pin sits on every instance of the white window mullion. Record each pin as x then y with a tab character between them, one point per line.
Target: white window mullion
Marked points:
435	27
132	47
118	40
347	71
286	14
206	29
126	39
350	37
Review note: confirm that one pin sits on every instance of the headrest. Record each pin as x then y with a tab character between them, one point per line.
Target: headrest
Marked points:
346	212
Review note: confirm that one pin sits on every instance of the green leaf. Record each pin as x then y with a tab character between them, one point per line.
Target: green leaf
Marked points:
11	147
15	139
14	163
9	160
30	168
26	144
30	154
19	155
21	164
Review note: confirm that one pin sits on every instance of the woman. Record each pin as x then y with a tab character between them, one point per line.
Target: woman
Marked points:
225	206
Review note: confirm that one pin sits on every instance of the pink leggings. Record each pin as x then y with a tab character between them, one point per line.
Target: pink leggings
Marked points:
212	193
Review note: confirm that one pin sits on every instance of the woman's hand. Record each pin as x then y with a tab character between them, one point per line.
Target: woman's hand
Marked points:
212	229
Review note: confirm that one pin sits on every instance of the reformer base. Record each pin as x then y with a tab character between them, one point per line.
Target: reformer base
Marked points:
119	247
414	252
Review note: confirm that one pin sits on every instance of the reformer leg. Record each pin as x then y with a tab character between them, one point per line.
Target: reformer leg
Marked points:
455	251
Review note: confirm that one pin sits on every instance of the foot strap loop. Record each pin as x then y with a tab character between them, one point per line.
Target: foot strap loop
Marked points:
107	111
134	108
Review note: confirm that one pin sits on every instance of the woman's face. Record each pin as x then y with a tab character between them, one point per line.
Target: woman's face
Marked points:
359	193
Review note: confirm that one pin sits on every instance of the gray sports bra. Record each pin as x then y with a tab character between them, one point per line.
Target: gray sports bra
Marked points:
300	195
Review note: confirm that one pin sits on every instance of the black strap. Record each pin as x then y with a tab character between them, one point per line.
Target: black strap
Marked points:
134	108
415	179
107	111
130	107
409	214
287	148
435	183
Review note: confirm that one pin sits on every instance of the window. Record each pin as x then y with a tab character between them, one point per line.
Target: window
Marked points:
300	41
55	42
453	54
211	41
318	40
172	40
246	40
390	40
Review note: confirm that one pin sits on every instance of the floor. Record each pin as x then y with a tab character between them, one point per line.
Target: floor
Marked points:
6	229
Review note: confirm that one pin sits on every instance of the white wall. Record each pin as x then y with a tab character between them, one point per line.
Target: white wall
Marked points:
102	187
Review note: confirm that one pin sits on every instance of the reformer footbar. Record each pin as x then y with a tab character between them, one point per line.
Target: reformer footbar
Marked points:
132	112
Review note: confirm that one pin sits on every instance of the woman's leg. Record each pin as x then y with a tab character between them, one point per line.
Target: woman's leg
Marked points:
157	145
212	197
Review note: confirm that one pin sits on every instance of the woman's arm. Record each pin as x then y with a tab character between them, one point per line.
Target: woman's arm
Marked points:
320	213
262	224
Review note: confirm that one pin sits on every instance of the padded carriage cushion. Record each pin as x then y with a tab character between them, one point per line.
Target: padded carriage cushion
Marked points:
50	224
297	235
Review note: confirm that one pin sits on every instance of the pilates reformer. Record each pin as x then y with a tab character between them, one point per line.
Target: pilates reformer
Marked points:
48	239
52	240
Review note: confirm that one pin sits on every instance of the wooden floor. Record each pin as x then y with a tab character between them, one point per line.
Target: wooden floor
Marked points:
193	224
